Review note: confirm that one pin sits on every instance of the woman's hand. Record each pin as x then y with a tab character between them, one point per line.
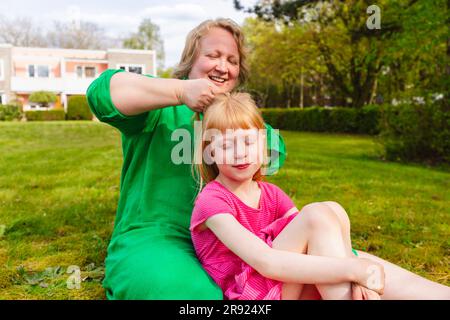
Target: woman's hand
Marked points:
361	293
370	274
198	93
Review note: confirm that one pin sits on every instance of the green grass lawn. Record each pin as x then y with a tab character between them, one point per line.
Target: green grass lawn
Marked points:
59	190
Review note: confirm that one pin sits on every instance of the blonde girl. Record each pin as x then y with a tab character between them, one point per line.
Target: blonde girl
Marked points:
248	234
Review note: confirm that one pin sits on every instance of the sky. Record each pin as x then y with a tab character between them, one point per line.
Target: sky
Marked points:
120	18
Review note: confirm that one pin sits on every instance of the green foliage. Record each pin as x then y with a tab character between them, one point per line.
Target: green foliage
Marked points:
416	132
323	51
78	108
44	98
320	119
166	73
10	112
368	119
45	115
148	37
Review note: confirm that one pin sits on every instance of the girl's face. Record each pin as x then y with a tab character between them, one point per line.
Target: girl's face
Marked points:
238	154
217	59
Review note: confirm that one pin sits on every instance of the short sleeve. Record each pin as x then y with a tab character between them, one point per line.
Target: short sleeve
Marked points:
99	100
208	203
285	203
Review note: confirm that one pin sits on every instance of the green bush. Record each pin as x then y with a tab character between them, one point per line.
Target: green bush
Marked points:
78	109
9	112
368	119
45	115
320	119
343	120
418	133
43	98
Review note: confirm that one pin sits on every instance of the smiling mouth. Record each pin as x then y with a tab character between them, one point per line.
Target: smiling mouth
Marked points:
242	166
217	79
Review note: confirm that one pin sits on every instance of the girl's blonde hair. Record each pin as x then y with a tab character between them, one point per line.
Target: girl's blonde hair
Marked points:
192	46
228	111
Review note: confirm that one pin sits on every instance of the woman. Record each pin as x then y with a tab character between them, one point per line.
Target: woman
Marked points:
150	255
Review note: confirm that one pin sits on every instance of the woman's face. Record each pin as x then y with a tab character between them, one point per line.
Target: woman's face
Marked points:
217	59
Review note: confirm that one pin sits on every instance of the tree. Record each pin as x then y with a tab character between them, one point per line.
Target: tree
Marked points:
166	73
291	66
86	35
21	32
43	98
148	37
353	54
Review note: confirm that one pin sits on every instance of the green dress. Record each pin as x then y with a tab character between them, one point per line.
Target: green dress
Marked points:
150	255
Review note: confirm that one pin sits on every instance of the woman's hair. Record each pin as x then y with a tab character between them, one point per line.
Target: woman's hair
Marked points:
228	111
192	46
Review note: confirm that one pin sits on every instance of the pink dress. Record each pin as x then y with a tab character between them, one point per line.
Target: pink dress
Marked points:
238	280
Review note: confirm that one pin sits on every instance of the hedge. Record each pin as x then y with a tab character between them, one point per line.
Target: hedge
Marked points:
78	108
45	115
419	133
9	112
321	119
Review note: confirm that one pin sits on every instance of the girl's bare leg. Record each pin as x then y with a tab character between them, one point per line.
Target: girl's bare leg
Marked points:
399	283
316	231
403	284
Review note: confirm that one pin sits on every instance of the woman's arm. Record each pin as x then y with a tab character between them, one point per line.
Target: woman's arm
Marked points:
281	265
133	94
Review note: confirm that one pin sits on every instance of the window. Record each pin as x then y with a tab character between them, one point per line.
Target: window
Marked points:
139	69
79	72
31	71
86	72
135	69
41	71
89	72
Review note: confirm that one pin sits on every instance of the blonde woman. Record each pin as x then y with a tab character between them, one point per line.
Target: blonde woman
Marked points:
150	255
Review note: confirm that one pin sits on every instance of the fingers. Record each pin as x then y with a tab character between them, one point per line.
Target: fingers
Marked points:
362	293
357	293
215	90
202	94
372	295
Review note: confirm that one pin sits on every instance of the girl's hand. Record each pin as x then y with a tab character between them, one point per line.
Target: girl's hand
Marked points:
370	274
197	93
362	293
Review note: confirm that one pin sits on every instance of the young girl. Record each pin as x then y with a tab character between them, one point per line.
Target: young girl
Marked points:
248	234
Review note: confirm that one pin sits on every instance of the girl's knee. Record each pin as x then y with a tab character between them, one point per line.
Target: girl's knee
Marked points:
340	212
320	216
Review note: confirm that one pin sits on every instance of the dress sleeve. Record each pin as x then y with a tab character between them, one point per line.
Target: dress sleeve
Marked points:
276	150
99	100
210	202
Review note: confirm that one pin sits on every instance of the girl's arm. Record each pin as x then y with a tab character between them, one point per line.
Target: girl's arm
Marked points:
286	266
134	94
289	212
